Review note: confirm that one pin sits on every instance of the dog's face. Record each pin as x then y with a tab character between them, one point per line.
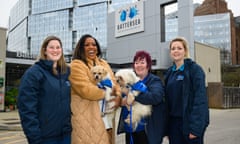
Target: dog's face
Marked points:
121	81
99	73
125	78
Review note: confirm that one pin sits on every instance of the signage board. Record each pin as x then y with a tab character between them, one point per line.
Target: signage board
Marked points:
129	19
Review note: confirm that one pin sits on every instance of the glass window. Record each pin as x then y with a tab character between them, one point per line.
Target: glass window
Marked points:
169	22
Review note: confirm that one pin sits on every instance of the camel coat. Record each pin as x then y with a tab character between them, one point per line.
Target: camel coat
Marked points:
87	124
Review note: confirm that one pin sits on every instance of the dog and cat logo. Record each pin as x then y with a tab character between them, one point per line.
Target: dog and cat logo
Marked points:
131	13
129	19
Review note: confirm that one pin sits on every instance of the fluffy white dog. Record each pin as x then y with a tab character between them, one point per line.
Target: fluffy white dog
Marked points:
126	78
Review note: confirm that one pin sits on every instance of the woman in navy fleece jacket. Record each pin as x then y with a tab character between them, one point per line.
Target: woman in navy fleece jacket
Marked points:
186	96
44	97
151	129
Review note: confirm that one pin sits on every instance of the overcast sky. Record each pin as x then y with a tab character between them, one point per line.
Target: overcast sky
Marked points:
6	5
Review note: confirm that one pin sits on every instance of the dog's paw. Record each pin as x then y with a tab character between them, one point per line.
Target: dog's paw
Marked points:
134	124
130	98
125	90
127	120
135	118
109	97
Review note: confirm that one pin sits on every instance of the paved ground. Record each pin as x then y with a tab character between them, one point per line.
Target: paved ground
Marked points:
224	126
10	121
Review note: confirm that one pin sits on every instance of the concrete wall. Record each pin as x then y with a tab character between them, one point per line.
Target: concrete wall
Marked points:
2	44
2	64
122	49
209	58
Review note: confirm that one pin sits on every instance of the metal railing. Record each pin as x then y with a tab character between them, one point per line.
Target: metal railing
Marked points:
231	97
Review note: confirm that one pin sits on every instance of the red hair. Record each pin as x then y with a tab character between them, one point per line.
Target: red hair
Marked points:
143	55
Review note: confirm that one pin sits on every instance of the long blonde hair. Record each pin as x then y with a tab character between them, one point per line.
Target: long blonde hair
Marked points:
61	62
185	45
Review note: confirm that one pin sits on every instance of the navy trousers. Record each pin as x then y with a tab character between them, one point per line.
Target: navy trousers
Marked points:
63	140
137	137
176	135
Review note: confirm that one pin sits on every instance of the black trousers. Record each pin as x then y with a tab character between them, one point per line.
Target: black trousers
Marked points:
138	138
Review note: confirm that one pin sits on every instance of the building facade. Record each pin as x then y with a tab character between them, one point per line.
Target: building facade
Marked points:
124	40
237	25
156	35
217	7
210	28
32	20
215	30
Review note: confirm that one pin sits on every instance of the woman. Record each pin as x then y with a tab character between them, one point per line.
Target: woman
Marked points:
88	125
44	97
186	97
150	130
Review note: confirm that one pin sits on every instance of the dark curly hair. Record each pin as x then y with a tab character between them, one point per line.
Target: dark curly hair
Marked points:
79	52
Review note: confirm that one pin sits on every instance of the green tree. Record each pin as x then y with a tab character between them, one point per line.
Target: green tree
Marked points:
11	97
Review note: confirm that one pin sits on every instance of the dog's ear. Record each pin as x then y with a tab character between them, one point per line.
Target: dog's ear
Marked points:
104	71
119	79
92	70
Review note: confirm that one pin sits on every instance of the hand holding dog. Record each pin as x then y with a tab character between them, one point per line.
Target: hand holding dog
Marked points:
116	99
114	102
110	106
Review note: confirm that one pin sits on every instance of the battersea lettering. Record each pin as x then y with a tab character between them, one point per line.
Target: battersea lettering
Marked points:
129	24
26	55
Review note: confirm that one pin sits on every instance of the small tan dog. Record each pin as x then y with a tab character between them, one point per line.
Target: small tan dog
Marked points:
127	78
103	80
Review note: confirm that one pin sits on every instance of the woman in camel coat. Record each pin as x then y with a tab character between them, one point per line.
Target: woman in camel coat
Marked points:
87	123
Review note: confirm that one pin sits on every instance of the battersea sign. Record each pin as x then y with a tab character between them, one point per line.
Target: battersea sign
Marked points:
25	55
129	19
